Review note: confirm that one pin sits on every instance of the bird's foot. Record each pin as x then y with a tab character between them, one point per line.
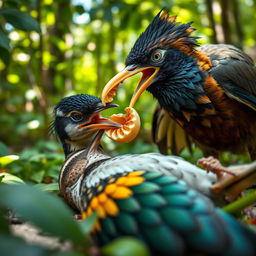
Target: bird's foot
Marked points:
211	164
231	181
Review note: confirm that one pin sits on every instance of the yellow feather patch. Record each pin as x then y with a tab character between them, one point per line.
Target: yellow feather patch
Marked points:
104	203
102	198
94	203
136	173
89	211
111	207
121	180
110	189
101	212
121	193
133	181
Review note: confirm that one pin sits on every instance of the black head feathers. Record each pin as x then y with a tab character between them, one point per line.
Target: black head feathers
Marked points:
81	102
164	33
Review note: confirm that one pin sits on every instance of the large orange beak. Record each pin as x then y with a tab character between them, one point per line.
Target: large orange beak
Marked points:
97	122
148	74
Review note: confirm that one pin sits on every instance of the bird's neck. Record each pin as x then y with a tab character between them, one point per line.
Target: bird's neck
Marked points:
182	92
76	166
70	147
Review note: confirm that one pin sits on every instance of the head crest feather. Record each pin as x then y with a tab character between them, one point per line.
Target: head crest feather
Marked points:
164	32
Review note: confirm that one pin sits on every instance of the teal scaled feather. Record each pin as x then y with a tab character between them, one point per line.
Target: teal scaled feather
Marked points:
173	219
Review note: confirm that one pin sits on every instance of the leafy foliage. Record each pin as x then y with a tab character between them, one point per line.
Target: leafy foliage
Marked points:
51	215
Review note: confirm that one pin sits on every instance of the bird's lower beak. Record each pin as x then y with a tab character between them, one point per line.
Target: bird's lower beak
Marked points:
148	74
97	122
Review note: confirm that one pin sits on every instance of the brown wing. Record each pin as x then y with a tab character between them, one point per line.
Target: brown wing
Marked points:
234	71
167	134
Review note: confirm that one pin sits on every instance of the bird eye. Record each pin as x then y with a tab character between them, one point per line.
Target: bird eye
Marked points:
76	116
157	56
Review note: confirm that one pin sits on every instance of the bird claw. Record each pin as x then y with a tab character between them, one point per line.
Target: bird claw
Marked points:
212	164
230	181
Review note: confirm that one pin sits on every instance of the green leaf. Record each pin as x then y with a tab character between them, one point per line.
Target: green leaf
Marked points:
125	247
37	176
4	40
68	254
5	55
48	187
44	210
13	246
88	223
20	20
5	160
3	149
4	227
10	178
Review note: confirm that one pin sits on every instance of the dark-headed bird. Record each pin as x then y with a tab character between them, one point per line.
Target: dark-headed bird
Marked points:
208	92
149	196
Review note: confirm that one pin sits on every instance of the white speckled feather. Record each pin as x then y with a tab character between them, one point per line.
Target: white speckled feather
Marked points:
169	165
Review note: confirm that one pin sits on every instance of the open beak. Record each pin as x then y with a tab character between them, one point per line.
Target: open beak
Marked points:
97	122
148	74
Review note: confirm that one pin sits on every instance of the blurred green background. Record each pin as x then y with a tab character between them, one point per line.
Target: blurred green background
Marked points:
75	46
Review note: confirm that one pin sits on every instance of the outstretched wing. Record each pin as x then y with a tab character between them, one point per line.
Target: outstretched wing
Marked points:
234	71
167	134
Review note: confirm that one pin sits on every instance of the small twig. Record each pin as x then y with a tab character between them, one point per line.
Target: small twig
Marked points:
240	204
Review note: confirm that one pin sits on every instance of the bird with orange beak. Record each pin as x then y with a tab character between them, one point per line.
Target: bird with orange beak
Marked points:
206	93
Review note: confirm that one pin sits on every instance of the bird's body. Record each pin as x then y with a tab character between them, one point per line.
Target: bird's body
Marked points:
210	91
155	198
217	121
141	196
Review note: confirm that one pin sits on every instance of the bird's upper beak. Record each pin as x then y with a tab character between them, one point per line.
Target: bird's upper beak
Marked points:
148	74
97	122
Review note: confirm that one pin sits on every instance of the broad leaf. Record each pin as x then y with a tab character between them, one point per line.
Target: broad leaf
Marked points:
125	247
44	210
5	160
5	55
4	40
4	227
48	187
20	20
13	246
9	178
3	149
88	223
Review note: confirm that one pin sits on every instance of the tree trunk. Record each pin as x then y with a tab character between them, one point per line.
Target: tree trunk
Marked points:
112	43
40	79
225	21
58	30
211	21
98	52
238	27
